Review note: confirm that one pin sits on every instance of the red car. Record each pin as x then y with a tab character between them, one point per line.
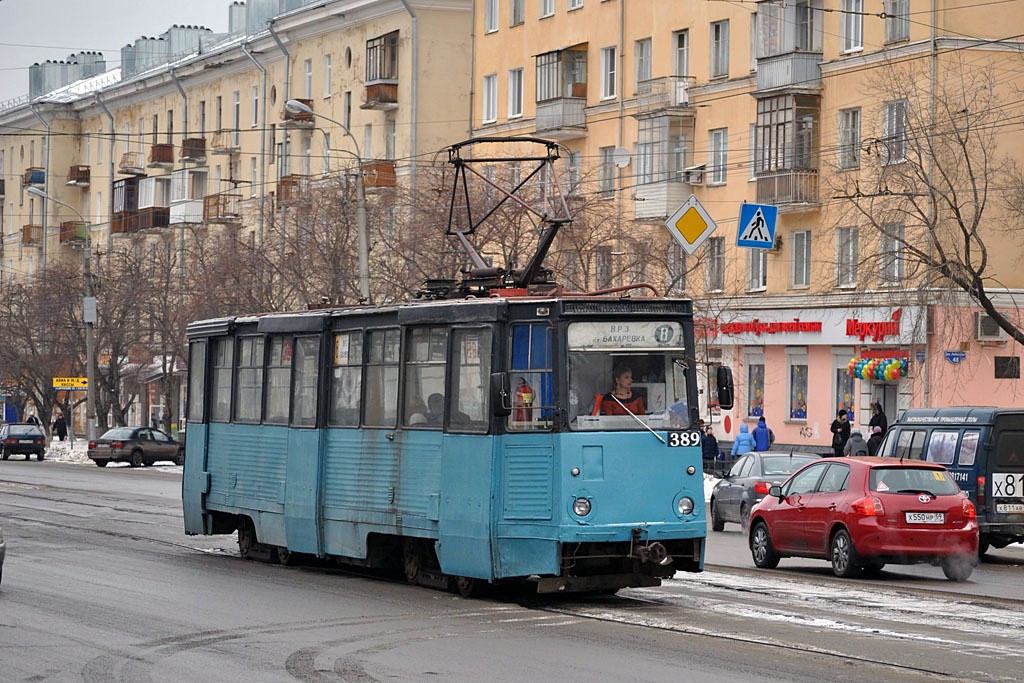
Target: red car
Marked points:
862	513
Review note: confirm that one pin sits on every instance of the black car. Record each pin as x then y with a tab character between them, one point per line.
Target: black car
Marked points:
747	483
24	439
136	446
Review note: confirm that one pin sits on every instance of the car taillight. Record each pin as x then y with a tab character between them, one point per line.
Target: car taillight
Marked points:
761	488
869	506
969	511
979	492
10	441
92	444
117	444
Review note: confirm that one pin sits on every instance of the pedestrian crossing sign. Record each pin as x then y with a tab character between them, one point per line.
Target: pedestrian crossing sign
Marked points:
757	226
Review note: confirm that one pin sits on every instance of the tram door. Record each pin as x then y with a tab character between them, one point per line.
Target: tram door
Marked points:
195	481
302	487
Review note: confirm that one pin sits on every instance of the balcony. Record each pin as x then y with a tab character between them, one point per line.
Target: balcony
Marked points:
789	190
563	118
32	235
124	223
225	141
222	208
660	199
668	92
382	95
78	176
193	150
161	155
154	217
132	163
299	119
378	173
292	189
74	232
34	176
793	72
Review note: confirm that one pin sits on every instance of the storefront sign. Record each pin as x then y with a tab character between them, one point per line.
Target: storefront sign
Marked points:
869	326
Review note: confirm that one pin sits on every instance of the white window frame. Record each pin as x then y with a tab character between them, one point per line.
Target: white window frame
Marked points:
796	357
800	243
719	59
849	138
255	106
847	256
609	70
252	176
517	8
642	61
490	16
307	81
515	93
547	8
644	162
606	172
892	262
489	93
714	264
852	25
718	160
575	4
757	270
894	132
327	76
897	20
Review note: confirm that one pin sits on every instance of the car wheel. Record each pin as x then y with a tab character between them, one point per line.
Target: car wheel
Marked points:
101	463
717	523
761	548
845	562
6	454
135	460
39	457
179	457
957	568
744	516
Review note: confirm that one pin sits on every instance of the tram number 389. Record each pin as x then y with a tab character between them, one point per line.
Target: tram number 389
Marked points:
676	439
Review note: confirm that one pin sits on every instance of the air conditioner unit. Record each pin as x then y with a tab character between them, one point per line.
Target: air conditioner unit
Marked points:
986	328
694	175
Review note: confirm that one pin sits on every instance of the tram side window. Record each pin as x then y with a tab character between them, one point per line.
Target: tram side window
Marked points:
196	381
381	395
532	397
346	379
910	444
279	375
249	388
304	393
220	387
426	348
469	400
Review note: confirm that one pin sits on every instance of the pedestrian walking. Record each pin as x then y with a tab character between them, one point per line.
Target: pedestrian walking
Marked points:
856	445
875	440
32	420
709	445
840	433
744	442
878	418
60	427
763	436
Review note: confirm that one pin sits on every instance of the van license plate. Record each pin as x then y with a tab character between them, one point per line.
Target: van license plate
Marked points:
926	517
1009	508
1008	484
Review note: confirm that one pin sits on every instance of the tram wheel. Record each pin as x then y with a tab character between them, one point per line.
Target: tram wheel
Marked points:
284	556
247	543
412	559
466	586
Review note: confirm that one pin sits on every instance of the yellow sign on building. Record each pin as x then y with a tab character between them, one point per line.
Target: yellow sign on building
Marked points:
70	383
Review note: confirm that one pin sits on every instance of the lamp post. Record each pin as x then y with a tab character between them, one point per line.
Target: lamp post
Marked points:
296	107
88	315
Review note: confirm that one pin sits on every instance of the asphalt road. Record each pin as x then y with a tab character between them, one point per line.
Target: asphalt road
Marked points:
101	585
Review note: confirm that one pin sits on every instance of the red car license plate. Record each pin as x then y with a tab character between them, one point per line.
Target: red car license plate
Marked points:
926	517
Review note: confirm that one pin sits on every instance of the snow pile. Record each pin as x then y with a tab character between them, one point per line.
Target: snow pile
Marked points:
65	451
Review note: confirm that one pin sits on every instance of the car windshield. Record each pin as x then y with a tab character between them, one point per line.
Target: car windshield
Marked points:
24	430
618	370
118	433
784	464
912	480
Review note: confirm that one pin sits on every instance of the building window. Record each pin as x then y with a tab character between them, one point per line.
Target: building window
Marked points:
891	272
801	242
575	4
562	73
547	8
490	95
603	267
755	386
382	58
572	161
847	254
327	75
1007	367
644	161
797	384
606	172
307	80
894	136
515	93
786	133
676	269
849	138
236	117
608	66
642	59
845	386
253	183
897	20
807	31
518	8
853	25
757	269
753	41
255	106
346	114
714	264
719	156
719	48
754	151
389	139
490	16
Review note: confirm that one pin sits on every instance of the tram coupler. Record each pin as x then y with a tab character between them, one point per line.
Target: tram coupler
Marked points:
652	552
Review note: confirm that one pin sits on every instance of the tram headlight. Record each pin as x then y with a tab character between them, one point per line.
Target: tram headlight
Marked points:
581	507
685	505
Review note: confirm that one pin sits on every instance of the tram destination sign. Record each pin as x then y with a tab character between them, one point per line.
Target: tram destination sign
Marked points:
626	335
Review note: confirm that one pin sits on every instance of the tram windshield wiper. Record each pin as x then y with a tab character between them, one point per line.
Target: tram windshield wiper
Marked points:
632	415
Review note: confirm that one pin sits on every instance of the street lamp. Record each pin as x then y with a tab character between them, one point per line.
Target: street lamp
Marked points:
88	315
296	107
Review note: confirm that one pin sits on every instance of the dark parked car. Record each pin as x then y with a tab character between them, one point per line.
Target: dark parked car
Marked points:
862	513
137	446
24	439
747	483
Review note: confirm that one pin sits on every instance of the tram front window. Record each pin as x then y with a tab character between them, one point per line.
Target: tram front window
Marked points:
627	376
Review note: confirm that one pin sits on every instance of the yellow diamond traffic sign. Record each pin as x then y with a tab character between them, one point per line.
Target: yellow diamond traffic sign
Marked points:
690	225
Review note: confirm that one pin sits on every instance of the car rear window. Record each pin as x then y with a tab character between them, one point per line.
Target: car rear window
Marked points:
784	464
24	430
1010	450
120	433
912	480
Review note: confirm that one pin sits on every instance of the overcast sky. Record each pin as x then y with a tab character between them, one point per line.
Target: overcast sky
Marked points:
36	30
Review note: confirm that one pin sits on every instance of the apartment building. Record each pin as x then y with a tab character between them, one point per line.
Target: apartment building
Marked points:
876	129
190	135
